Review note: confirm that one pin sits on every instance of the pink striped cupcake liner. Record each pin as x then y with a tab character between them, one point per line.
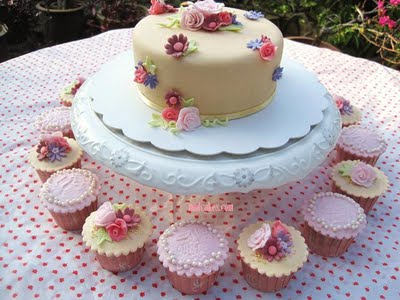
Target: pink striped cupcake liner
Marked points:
366	203
192	285
121	263
324	245
43	175
342	154
74	221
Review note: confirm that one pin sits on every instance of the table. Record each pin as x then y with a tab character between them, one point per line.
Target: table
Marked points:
40	261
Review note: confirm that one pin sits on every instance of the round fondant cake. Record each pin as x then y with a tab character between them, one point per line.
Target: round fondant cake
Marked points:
225	60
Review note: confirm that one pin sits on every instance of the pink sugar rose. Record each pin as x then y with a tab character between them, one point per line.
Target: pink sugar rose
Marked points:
170	114
277	227
225	17
208	7
259	238
267	51
140	74
188	119
105	215
363	174
117	230
192	20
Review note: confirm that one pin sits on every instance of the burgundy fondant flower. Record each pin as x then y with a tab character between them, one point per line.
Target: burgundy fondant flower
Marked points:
140	74
170	114
177	45
212	22
225	18
267	51
192	20
117	230
173	99
128	215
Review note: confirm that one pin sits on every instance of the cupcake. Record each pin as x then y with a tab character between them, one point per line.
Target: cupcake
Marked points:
55	119
358	143
332	221
192	254
68	93
271	252
350	114
117	234
359	181
54	153
70	196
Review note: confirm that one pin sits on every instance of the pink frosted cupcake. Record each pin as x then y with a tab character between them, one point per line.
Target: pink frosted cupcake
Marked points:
271	253
361	182
350	114
332	221
55	119
70	196
54	153
68	93
358	143
117	233
192	254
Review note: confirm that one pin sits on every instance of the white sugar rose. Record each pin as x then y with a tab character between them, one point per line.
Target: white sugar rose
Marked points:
259	238
105	215
363	174
188	119
208	7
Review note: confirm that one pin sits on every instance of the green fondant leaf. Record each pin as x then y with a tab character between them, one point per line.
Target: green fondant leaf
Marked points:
174	21
150	66
233	27
192	48
102	236
345	169
120	206
214	123
156	121
188	103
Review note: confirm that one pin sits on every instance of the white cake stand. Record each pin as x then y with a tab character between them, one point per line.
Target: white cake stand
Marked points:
184	173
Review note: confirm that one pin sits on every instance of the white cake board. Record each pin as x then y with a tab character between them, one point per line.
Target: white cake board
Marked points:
298	105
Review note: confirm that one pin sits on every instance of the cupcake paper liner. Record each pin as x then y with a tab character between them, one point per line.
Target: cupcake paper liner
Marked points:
263	282
324	245
74	221
44	175
342	154
366	203
192	285
121	263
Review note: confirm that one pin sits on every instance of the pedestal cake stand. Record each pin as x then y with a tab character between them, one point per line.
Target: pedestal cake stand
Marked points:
185	173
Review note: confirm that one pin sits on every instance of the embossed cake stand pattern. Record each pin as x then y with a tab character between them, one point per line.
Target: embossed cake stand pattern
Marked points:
184	173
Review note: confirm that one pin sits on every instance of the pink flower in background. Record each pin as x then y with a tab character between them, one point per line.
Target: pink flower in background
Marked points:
117	230
385	20
105	215
363	174
170	114
394	2
381	4
267	51
192	20
188	119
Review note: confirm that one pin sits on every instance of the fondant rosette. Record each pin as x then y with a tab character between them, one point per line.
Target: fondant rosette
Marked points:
205	15
114	221
265	47
145	73
271	242
360	174
52	147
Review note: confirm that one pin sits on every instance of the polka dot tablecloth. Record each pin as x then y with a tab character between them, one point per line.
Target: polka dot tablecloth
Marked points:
38	260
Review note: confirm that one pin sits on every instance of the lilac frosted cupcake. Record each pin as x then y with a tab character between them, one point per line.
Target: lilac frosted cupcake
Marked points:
117	233
271	253
70	196
358	143
54	153
68	93
192	254
361	182
332	222
350	114
55	119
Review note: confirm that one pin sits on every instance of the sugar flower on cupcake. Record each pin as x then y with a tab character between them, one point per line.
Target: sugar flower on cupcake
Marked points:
68	93
350	114
52	147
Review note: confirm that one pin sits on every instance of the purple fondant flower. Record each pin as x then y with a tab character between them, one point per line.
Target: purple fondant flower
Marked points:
212	22
235	21
343	105
55	152
254	45
151	81
192	19
177	45
253	15
128	215
277	74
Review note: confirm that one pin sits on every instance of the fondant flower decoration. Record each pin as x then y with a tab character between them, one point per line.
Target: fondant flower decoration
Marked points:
42	150
277	74
188	119
343	105
117	230
128	215
255	44
225	18
363	174
173	99
235	21
140	73
105	215
159	7
273	250
151	81
56	152
177	45
170	114
77	84
253	15
267	51
259	238
212	22
145	73
52	147
208	7
192	20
